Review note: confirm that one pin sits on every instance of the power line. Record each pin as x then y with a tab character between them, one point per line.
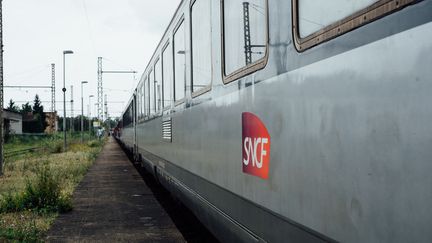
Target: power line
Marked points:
119	65
119	71
36	70
89	27
100	89
52	87
119	90
27	86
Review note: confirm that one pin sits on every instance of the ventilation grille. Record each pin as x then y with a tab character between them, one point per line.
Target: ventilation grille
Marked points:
167	130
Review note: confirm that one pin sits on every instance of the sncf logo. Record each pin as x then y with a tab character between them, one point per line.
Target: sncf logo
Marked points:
256	146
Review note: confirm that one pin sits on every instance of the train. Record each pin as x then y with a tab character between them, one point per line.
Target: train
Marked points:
292	121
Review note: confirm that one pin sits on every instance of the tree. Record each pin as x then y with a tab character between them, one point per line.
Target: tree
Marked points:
26	108
39	115
12	106
37	106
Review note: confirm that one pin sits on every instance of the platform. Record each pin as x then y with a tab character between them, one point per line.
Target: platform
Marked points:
114	204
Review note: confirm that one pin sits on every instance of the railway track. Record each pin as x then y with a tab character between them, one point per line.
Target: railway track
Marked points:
13	153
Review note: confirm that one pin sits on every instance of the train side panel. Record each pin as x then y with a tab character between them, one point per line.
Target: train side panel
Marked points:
349	122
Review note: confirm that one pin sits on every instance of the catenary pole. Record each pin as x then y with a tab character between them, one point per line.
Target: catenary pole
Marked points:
82	111
64	99
1	90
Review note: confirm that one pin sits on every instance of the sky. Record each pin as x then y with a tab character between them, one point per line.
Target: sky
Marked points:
35	33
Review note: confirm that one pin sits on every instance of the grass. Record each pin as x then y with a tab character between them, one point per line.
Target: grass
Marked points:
38	185
25	226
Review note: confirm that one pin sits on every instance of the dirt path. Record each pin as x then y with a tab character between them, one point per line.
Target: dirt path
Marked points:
114	204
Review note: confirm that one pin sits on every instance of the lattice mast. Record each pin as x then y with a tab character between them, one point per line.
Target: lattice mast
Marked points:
247	34
52	118
53	108
100	96
100	90
1	90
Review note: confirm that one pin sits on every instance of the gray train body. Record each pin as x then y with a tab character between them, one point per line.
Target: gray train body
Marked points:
350	122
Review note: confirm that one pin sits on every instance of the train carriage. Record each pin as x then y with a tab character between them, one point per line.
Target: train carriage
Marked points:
292	121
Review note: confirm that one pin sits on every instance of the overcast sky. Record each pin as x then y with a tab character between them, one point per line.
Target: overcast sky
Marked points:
35	33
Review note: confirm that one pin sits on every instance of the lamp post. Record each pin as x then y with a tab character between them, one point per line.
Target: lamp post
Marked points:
89	112
82	111
64	97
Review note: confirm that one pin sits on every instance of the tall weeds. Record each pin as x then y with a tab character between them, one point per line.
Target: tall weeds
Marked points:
43	194
37	185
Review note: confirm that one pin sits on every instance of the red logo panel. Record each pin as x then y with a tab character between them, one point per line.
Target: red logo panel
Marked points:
256	146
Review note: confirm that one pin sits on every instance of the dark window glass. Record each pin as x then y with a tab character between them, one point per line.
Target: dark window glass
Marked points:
179	63
167	76
158	85
152	92
138	103
147	97
128	116
143	103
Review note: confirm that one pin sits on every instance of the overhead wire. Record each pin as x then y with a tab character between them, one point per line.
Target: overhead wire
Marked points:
256	9
89	28
20	77
134	79
35	69
90	32
119	65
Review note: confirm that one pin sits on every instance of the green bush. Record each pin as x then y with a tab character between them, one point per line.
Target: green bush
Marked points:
24	233
43	195
93	143
56	147
8	203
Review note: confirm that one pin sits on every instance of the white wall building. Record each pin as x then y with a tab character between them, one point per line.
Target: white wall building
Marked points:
12	121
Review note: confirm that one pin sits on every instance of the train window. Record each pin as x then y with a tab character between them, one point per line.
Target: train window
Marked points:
130	113
146	97
245	37
138	103
127	116
152	92
158	85
315	22
167	82
143	103
313	16
201	41
179	62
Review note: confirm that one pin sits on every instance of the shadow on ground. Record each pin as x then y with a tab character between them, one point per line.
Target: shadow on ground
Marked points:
186	222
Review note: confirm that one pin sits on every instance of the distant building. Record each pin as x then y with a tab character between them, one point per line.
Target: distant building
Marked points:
12	122
31	124
16	123
51	120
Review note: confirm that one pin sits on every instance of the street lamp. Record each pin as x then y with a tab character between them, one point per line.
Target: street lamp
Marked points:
82	111
64	97
89	112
